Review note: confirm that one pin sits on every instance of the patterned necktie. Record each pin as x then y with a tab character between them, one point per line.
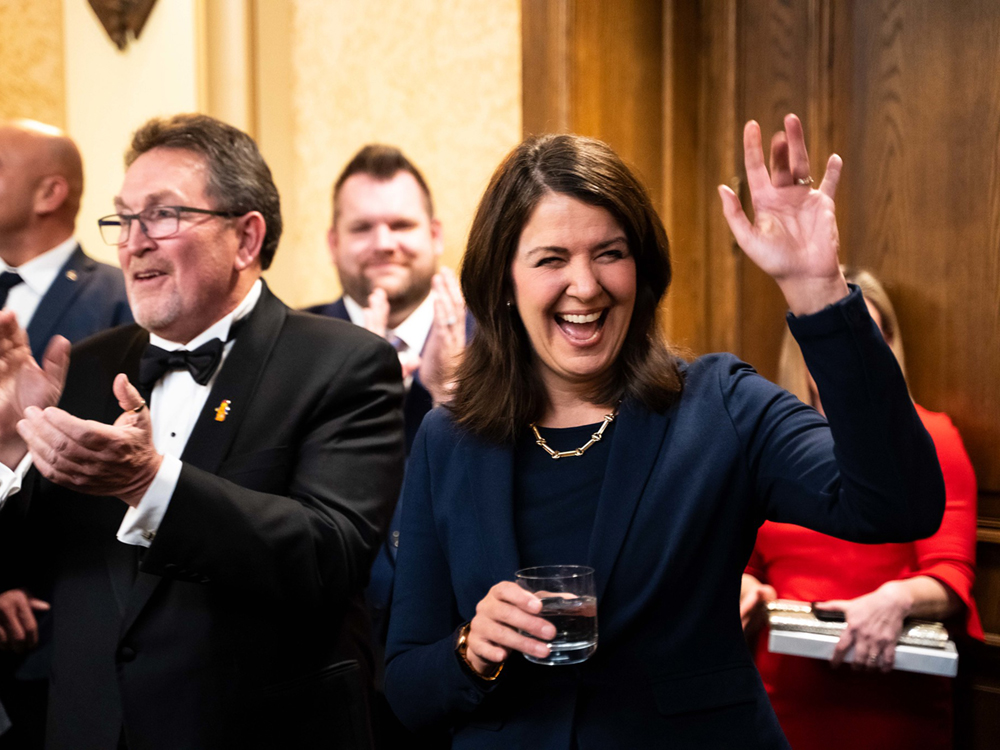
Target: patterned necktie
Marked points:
397	343
8	280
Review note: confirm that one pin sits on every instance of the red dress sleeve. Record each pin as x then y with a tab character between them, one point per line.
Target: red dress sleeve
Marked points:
756	566
949	556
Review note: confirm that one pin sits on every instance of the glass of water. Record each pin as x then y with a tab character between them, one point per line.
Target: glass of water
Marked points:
569	601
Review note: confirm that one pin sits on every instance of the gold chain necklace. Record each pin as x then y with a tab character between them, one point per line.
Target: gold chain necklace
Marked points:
608	419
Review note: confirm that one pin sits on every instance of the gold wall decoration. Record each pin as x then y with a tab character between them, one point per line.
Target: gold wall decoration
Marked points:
32	81
119	17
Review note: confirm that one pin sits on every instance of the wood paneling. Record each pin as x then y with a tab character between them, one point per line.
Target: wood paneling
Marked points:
923	181
596	68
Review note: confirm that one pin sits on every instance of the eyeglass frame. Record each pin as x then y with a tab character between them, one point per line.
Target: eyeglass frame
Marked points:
116	219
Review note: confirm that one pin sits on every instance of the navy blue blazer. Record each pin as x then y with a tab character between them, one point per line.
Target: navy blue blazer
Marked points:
683	496
86	297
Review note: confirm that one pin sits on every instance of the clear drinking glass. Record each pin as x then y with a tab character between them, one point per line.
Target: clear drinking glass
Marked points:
569	601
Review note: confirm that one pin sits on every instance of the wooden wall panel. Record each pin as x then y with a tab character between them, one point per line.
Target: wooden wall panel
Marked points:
923	181
700	152
779	51
596	69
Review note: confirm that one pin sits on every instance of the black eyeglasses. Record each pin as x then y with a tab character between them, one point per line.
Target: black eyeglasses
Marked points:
157	222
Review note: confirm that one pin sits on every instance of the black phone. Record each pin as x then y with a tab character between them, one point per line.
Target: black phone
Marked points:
828	615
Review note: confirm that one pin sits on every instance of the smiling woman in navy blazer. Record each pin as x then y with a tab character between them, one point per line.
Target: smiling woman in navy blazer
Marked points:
566	264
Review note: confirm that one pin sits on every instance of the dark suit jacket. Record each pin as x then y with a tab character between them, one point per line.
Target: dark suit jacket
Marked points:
416	404
244	626
86	297
683	495
418	400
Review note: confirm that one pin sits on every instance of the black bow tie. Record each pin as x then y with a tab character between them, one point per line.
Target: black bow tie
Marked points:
201	363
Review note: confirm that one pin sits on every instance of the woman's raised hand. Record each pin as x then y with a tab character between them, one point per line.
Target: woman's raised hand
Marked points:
793	237
493	632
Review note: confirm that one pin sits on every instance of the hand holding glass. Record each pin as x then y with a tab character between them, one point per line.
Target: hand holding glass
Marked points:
569	602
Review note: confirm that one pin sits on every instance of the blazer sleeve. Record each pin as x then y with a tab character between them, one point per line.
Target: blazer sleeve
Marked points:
424	607
310	544
869	474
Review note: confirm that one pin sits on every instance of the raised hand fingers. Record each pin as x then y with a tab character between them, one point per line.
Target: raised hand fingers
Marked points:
738	222
781	173
131	402
798	155
11	333
834	166
448	301
55	360
753	159
376	314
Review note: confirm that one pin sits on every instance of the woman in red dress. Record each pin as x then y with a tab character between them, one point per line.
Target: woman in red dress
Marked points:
867	705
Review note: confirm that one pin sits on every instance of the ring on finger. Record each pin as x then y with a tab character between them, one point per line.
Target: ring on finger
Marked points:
139	408
804	181
450	322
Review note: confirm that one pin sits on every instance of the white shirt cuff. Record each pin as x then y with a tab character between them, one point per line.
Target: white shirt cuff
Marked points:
11	479
140	523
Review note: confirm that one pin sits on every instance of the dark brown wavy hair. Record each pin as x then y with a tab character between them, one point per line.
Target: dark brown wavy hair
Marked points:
238	178
499	391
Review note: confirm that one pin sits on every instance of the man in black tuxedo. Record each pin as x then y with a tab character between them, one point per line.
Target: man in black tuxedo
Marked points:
53	288
386	242
207	551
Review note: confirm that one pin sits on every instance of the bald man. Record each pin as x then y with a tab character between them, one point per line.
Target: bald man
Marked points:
45	277
53	288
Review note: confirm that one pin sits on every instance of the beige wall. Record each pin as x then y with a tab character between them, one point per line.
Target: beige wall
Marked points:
31	60
109	93
439	78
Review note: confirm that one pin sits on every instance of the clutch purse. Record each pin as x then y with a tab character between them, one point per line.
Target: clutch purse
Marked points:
923	646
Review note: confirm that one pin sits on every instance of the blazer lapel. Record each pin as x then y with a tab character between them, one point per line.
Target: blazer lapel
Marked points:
227	404
635	447
491	468
69	282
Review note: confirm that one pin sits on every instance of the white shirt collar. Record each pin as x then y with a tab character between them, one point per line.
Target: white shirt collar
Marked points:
39	272
219	329
417	326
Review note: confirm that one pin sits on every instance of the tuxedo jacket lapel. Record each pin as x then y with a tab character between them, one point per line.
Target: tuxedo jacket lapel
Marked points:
215	429
635	447
219	421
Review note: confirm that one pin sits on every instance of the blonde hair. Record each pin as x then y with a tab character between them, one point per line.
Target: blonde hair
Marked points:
792	373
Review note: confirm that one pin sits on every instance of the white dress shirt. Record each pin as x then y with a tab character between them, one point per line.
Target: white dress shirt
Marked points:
174	406
37	275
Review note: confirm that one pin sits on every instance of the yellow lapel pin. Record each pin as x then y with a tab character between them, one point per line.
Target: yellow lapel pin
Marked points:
222	410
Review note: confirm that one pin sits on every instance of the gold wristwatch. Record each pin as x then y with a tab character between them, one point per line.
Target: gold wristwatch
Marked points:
462	646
